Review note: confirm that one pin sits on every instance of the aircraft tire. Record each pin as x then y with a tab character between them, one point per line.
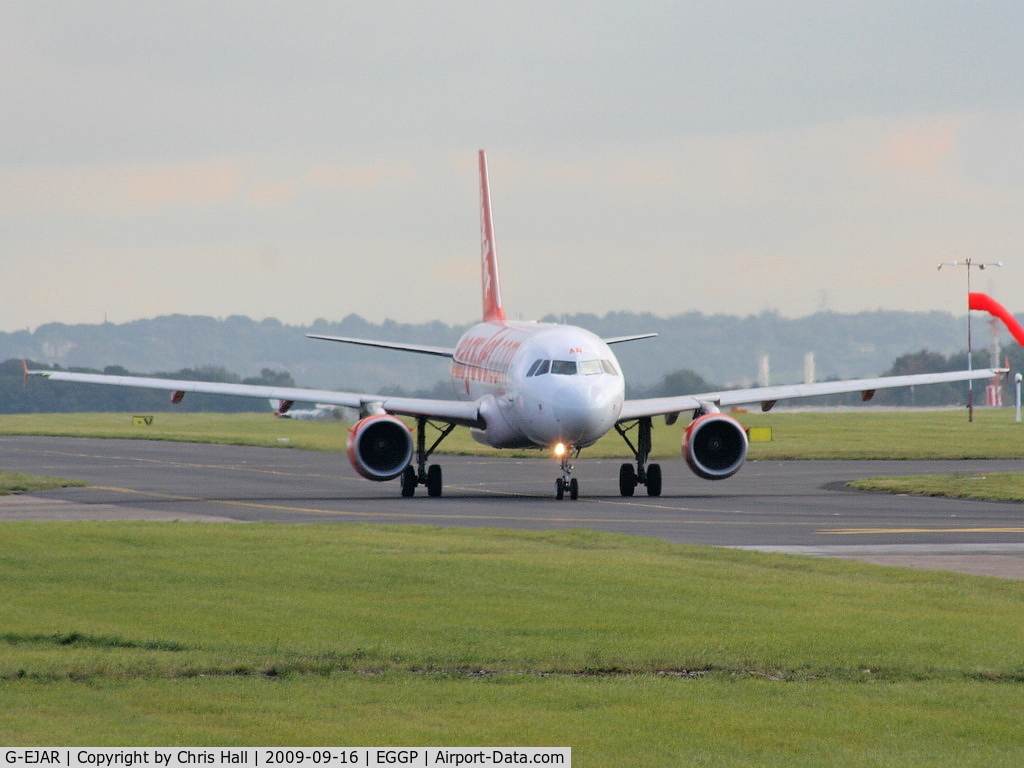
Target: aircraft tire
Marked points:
409	482
574	489
434	480
654	480
627	480
559	489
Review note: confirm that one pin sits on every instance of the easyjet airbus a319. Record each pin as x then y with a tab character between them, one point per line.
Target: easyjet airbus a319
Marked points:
553	387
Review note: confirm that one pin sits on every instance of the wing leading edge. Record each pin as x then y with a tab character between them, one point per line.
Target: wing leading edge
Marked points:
768	396
451	411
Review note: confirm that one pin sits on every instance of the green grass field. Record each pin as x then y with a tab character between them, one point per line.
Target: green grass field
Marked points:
920	434
632	651
18	482
990	486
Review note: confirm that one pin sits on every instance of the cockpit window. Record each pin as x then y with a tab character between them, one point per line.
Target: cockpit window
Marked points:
591	367
539	368
609	367
563	367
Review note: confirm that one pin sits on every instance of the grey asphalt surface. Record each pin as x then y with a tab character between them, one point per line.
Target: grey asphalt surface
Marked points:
795	507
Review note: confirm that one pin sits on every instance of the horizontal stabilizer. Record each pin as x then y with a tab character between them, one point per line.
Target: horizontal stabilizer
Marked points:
420	349
634	337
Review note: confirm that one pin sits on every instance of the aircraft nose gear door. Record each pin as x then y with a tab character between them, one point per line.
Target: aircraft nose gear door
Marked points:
567	482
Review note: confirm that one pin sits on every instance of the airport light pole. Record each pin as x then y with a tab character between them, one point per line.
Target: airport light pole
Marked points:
970	363
1017	378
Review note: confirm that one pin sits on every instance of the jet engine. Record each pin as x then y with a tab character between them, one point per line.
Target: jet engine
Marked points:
715	446
380	447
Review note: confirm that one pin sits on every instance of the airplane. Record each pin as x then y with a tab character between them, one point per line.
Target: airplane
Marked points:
521	385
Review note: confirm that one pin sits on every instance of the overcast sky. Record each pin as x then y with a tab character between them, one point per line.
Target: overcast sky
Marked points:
307	160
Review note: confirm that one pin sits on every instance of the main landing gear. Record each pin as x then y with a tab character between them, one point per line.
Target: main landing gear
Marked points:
421	474
643	473
566	482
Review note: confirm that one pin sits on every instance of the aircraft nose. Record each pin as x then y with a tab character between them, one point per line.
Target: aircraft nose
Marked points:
583	413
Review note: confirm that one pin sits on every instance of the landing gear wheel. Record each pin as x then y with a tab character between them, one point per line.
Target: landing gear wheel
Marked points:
567	482
421	473
434	480
627	480
409	482
642	474
654	480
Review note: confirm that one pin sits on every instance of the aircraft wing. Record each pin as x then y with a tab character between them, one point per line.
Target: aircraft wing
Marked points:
451	411
768	396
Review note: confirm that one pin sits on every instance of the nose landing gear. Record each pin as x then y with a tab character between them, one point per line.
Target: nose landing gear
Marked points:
566	482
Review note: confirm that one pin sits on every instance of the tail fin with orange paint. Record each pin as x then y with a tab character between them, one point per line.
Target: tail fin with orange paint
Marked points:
492	309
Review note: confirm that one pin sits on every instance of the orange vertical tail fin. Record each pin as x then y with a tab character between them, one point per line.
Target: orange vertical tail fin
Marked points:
493	311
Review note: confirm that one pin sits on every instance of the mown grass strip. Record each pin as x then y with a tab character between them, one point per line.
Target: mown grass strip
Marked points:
78	639
989	486
898	434
633	651
236	429
18	482
643	721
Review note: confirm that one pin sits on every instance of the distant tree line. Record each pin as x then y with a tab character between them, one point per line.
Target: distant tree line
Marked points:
722	348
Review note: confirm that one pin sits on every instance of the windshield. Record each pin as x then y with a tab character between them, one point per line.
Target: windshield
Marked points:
572	368
563	367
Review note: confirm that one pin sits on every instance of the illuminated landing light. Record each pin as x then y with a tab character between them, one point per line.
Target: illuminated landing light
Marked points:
560	450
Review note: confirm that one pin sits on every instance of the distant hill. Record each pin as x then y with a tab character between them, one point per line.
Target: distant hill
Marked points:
723	349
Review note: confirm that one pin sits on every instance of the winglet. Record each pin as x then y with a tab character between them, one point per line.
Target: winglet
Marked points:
493	311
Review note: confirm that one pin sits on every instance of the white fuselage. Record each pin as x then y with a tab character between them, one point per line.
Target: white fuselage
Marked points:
539	384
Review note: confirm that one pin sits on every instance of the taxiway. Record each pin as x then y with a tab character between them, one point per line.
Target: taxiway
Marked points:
798	507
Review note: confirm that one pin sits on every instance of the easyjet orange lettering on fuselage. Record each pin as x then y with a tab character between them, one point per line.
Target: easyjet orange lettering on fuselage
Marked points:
484	356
